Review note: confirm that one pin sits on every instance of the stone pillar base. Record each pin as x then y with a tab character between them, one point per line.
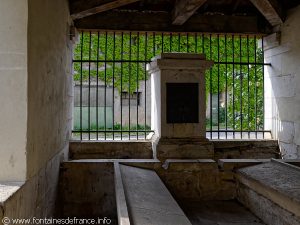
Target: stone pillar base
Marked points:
184	148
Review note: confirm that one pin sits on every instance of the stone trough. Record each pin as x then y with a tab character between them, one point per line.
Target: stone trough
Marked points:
130	191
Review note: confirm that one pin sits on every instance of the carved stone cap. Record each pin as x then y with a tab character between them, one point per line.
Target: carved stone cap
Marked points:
182	61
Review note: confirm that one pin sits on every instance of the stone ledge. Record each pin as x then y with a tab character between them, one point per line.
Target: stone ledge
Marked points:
231	164
245	149
122	209
276	182
7	189
141	149
184	148
192	165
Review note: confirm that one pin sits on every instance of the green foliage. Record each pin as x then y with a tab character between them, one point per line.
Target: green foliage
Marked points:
243	81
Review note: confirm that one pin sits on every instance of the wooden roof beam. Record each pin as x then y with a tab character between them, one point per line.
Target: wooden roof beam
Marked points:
184	9
160	22
271	10
101	8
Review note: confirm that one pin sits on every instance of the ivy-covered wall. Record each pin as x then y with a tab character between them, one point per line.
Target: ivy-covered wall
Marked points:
119	59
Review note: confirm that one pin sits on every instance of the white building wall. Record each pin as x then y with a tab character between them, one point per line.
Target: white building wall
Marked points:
282	85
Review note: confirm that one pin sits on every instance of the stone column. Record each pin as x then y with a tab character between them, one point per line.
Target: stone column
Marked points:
178	105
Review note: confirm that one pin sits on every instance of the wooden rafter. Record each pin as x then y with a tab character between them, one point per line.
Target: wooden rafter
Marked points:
184	9
160	21
102	8
271	10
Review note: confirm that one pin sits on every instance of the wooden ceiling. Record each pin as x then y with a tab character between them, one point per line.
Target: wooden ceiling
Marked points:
216	16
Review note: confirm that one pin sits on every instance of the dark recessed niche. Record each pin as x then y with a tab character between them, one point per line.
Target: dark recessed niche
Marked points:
182	102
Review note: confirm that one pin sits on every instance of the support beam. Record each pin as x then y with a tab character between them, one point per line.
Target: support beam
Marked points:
184	9
160	21
271	10
102	8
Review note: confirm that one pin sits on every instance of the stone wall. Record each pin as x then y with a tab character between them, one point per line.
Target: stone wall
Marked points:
40	91
13	88
282	95
49	82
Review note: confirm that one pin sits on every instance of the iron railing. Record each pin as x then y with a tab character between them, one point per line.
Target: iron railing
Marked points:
112	86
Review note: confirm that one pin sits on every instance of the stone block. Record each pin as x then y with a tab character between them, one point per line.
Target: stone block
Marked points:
288	151
189	165
111	150
187	148
231	164
275	68
284	86
283	191
254	149
87	189
286	132
297	133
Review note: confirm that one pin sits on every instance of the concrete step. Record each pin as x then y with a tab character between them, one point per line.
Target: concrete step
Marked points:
271	191
148	201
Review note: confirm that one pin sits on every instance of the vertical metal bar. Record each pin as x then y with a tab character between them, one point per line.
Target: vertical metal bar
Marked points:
248	71
241	89
263	87
170	42
218	37
129	81
137	86
210	89
162	42
255	79
233	88
105	84
113	86
81	77
145	73
154	42
196	43
226	88
203	49
97	88
121	94
187	42
89	95
179	44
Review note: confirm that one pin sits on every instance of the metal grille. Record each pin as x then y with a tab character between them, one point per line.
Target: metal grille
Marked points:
112	87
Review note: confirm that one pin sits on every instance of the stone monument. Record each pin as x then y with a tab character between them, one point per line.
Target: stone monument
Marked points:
178	106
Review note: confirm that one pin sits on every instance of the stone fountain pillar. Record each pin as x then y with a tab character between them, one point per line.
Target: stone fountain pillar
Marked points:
178	106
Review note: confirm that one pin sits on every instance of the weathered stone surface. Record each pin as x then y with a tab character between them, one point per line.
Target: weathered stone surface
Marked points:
198	181
287	132
148	199
181	148
282	81
111	150
87	190
13	89
189	165
122	209
219	213
289	151
37	196
242	149
232	164
264	208
285	86
278	182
